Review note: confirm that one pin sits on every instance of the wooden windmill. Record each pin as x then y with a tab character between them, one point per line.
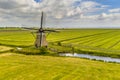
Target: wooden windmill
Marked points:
40	36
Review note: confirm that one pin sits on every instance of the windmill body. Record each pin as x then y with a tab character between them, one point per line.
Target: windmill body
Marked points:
41	40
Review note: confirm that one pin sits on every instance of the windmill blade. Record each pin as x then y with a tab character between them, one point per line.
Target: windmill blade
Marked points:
51	31
41	21
33	35
48	34
43	17
26	28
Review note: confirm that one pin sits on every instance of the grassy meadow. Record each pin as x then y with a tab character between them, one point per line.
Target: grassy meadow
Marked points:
16	66
23	67
102	42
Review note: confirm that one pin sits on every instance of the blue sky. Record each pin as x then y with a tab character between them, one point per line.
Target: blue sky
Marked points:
61	13
112	3
37	1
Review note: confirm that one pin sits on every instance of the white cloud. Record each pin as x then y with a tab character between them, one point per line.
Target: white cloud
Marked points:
114	10
54	7
58	11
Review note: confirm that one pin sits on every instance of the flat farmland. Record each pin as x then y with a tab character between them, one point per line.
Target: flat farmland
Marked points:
101	41
14	66
23	67
105	42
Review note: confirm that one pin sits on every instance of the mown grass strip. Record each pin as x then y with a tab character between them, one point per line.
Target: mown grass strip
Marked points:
100	38
104	41
114	44
85	36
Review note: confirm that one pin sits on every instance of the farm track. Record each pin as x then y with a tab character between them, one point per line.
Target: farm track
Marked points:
4	49
5	54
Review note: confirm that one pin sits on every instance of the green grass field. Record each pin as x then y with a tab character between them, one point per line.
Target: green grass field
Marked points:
103	42
23	67
15	66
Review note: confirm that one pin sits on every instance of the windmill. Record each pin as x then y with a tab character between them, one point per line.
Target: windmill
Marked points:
40	34
40	39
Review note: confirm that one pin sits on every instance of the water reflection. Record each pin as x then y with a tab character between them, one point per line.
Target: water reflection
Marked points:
105	59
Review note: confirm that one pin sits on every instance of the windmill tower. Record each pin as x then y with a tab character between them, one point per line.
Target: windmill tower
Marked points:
40	36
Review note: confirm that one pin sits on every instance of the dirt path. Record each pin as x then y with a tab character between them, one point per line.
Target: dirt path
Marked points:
4	48
5	54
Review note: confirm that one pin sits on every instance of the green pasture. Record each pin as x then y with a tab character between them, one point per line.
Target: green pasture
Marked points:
23	67
16	38
46	65
103	42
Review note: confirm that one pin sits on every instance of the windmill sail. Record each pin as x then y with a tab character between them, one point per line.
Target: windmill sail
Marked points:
40	37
